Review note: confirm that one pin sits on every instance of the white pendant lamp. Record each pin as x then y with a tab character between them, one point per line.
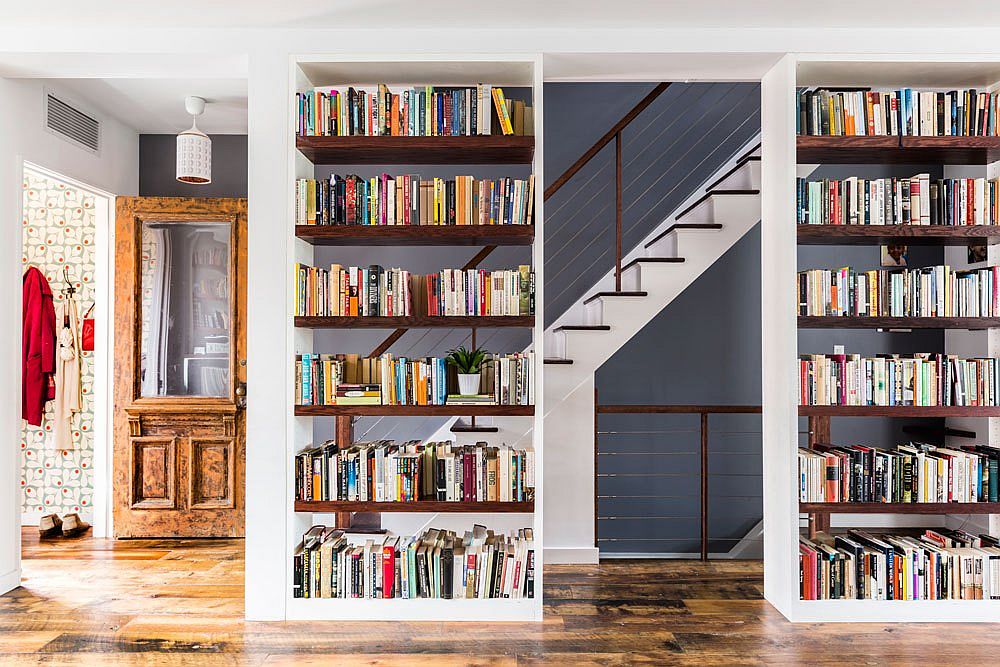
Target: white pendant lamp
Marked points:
194	148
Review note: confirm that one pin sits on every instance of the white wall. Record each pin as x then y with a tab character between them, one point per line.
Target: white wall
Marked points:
115	169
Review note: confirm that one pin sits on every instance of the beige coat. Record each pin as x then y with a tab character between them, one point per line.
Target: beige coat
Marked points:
67	401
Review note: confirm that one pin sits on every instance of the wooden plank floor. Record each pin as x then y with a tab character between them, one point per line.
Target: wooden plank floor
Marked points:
180	602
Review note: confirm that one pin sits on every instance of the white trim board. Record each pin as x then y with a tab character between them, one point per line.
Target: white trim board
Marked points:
572	555
10	580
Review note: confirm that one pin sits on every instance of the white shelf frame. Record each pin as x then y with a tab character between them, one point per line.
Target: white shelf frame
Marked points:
780	332
436	69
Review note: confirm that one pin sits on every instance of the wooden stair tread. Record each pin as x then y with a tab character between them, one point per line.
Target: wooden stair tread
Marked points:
750	153
685	225
553	360
584	327
713	193
742	162
602	294
653	260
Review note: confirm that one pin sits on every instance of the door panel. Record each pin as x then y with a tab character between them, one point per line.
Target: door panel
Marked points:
212	470
153	472
180	311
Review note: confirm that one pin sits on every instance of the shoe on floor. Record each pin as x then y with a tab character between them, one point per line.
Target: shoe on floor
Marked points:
50	525
73	525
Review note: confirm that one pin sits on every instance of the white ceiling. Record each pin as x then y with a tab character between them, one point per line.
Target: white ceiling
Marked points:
354	14
156	106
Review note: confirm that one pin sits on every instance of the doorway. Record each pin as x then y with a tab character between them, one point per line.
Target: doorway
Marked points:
67	234
180	367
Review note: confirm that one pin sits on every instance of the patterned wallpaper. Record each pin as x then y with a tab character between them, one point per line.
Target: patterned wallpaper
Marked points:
58	230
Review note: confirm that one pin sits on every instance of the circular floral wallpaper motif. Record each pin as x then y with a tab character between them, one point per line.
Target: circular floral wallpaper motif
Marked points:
58	231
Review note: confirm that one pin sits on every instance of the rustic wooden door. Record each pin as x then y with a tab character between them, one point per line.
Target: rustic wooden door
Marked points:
180	367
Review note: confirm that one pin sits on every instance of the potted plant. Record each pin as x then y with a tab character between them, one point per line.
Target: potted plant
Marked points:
469	364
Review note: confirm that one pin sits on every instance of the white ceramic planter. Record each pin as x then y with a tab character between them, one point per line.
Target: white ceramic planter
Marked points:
468	384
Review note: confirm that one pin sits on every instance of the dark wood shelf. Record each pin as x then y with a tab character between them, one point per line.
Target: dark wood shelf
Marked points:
899	508
416	322
897	411
898	150
415	506
416	235
955	235
834	322
414	410
491	149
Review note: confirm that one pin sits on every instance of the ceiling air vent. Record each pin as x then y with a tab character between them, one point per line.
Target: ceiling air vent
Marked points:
70	123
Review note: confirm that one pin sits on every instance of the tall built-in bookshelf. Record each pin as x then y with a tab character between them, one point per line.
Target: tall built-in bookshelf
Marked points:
317	157
789	154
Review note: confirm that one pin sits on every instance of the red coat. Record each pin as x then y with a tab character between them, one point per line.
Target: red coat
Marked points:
38	346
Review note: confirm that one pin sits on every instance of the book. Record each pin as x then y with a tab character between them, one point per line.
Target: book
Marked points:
377	292
917	200
900	112
434	564
929	379
337	379
910	473
416	111
931	291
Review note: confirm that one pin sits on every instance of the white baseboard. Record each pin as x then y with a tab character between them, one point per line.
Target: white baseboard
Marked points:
31	518
10	581
571	555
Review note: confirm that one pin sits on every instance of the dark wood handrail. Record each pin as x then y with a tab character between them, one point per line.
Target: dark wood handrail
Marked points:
606	139
613	133
703	411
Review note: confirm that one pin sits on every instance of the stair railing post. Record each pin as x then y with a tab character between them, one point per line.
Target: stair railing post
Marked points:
618	211
704	486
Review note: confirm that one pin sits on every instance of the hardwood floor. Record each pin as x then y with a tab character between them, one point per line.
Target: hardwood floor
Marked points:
180	602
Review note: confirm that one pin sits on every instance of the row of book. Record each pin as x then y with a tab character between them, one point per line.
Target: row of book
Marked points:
913	472
933	291
897	380
422	111
898	201
320	379
383	471
908	112
407	200
933	565
375	291
435	564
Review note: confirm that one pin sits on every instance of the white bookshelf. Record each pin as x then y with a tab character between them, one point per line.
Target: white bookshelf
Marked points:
307	71
782	519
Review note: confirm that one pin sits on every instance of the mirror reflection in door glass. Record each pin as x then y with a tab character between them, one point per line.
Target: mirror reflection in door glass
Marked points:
185	309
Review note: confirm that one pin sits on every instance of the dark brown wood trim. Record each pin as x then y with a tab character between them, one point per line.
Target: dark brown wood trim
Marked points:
589	154
957	235
416	235
490	149
742	162
653	260
558	361
816	322
415	506
899	508
897	411
600	295
684	225
465	428
704	486
415	322
714	193
628	409
414	410
898	150
584	327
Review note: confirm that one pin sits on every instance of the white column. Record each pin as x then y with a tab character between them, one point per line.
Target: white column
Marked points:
268	404
779	333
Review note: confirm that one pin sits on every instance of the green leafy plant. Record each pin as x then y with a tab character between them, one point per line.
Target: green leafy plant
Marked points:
467	361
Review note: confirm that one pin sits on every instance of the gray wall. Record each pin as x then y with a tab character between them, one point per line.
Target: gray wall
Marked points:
704	348
158	167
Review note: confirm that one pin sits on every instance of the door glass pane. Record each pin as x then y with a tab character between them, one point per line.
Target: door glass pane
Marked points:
184	309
